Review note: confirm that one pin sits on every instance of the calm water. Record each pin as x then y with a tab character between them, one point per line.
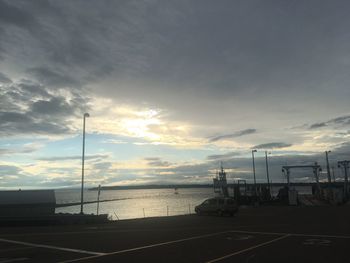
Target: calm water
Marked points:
142	203
136	203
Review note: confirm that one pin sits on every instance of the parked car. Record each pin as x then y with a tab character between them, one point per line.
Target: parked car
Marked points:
218	205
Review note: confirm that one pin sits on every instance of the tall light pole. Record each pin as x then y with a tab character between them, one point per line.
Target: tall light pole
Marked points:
255	190
267	171
82	165
328	170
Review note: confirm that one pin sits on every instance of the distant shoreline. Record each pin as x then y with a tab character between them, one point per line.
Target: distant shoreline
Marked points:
130	187
184	186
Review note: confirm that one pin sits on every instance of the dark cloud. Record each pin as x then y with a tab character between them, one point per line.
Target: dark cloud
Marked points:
13	15
318	125
54	106
157	162
213	66
4	78
222	156
53	79
30	108
233	135
76	157
272	145
342	120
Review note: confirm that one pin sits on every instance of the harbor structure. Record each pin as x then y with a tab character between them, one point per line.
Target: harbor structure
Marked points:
27	203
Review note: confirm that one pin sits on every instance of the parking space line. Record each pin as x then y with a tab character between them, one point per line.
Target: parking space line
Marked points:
248	249
51	247
13	260
326	236
109	230
291	234
148	246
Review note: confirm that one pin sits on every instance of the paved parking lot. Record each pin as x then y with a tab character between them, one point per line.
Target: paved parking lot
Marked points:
263	234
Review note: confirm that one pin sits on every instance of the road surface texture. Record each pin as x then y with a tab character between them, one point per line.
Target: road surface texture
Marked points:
255	234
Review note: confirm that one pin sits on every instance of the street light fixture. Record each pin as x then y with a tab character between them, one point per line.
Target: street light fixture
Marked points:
255	190
328	170
86	115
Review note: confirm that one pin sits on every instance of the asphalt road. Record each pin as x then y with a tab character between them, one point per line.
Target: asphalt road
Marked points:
260	234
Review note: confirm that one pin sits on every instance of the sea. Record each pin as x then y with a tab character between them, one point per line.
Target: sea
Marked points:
140	203
135	203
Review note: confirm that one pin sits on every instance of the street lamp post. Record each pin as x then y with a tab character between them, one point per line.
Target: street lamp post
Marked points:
255	190
82	166
328	170
267	171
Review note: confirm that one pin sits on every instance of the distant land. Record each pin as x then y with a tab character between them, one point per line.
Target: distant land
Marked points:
172	186
153	186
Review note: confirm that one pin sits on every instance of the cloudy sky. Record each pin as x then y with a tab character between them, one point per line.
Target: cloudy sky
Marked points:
172	88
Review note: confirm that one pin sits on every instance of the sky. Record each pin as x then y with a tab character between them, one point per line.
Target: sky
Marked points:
173	88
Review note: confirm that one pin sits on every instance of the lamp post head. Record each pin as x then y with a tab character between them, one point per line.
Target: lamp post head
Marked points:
254	151
86	115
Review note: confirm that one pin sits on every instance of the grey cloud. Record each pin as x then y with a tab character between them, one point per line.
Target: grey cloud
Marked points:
53	79
13	123
30	108
272	145
4	78
103	166
13	15
160	163
342	120
75	157
345	120
233	135
318	125
232	51
9	170
222	156
54	106
22	150
156	161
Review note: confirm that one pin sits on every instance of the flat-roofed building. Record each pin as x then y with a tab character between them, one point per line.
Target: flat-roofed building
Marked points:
27	203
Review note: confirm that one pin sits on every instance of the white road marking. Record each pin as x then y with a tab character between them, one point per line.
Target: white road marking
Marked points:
149	246
110	230
247	249
51	247
291	234
317	242
13	260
